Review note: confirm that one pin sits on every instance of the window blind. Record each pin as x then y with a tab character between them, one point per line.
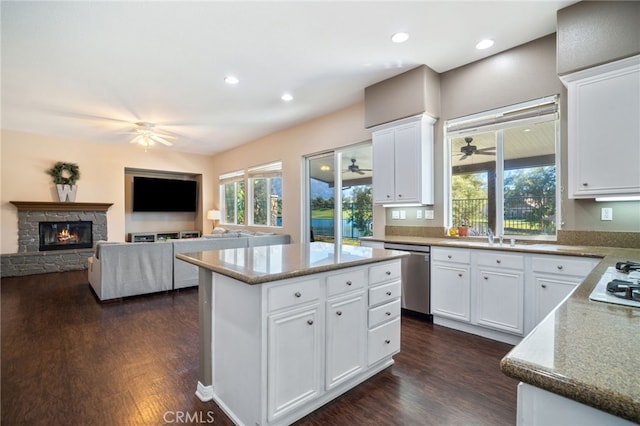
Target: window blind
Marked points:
231	177
543	109
266	170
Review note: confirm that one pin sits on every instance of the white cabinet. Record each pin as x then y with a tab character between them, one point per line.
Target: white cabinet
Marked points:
554	278
500	291
500	294
451	283
603	130
383	339
294	360
346	326
403	161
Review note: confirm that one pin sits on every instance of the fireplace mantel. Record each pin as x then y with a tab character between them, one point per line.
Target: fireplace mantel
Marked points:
53	206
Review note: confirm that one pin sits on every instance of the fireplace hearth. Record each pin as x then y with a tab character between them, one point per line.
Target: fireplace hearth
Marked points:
65	235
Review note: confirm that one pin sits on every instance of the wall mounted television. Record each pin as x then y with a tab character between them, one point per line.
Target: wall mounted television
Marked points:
164	195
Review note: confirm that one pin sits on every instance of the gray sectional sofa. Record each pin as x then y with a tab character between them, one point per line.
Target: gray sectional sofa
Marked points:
119	270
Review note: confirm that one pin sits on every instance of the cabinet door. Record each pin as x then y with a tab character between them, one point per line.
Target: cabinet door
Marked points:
294	353
407	163
383	166
500	302
550	291
346	333
604	135
450	291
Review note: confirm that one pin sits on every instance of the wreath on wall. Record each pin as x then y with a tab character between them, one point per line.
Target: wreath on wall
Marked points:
64	173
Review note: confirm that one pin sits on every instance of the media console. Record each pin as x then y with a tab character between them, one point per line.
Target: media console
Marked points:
151	237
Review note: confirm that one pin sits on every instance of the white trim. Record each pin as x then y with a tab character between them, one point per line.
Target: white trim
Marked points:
204	393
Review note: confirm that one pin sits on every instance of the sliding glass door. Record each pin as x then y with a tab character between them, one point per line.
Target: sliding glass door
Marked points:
339	205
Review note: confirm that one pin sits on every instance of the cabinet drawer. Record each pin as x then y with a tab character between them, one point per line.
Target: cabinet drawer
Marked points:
293	294
500	259
384	341
563	265
346	281
384	293
450	255
384	272
384	313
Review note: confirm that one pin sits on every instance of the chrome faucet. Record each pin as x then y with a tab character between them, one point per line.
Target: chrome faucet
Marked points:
490	236
501	238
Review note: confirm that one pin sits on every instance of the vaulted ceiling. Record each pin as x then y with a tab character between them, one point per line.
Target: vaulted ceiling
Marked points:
90	70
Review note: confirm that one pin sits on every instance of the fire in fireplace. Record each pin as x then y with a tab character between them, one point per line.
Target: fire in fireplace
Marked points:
65	235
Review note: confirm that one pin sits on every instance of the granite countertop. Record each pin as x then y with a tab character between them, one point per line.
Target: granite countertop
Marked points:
257	265
585	350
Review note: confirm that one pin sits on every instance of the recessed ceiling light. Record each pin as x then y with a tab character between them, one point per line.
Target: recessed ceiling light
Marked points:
400	37
231	80
484	44
287	97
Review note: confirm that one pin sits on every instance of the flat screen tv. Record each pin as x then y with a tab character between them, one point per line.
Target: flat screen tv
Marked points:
164	195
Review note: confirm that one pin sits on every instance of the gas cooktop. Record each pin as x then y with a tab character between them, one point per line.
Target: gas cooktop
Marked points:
619	285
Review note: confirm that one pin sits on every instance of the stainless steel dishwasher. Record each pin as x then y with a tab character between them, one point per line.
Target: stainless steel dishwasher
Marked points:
416	270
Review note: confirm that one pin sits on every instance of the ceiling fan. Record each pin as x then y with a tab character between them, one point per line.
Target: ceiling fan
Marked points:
147	135
468	149
354	168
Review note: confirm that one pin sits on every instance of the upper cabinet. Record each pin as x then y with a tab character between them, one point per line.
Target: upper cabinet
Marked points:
604	130
403	161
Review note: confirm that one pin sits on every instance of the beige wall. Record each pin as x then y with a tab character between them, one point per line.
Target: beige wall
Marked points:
26	157
591	33
341	128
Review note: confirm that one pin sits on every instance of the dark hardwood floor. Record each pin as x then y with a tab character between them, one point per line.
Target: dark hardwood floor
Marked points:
69	360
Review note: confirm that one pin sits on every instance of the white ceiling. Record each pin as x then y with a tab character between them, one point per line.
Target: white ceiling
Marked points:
86	69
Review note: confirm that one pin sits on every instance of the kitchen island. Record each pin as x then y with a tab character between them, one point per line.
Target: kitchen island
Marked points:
285	329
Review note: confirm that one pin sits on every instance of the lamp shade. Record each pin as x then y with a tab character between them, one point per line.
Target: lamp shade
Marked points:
213	215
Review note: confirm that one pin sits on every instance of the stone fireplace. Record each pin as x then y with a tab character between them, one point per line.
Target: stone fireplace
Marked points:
55	237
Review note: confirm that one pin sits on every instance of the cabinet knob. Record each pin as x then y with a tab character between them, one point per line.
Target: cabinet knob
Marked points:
485	277
298	294
449	256
388	196
460	275
388	272
498	261
387	341
310	322
349	283
585	184
399	195
560	267
338	313
543	285
388	293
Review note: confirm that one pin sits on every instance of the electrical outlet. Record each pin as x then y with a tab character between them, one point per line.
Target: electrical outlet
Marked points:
395	214
403	214
428	214
419	214
606	213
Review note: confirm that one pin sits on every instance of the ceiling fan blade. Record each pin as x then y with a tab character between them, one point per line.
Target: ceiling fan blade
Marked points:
136	139
365	170
360	172
485	153
464	156
159	139
491	148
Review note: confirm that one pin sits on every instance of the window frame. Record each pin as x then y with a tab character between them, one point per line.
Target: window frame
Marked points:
498	120
236	178
266	171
